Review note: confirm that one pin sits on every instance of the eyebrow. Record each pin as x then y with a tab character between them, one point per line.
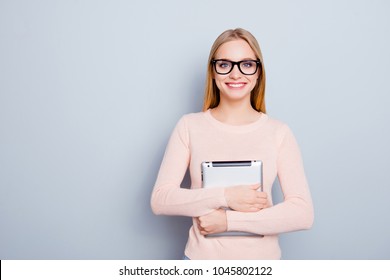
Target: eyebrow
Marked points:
247	58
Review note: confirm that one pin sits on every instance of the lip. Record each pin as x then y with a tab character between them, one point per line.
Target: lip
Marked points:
239	85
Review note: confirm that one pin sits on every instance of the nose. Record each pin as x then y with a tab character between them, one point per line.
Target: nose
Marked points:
235	73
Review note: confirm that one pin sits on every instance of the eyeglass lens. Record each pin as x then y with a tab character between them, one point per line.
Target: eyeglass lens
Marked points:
247	67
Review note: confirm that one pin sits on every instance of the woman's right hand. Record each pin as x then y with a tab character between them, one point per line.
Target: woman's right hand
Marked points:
246	198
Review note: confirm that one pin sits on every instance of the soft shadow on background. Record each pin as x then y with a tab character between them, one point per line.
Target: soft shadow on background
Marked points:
91	90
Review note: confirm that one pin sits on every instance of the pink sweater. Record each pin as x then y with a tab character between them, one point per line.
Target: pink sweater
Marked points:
200	137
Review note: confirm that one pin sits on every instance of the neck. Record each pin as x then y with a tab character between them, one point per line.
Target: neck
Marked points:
235	113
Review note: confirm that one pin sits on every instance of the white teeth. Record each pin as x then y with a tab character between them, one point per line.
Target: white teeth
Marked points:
236	85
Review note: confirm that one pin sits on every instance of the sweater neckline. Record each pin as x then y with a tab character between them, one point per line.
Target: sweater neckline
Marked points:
236	128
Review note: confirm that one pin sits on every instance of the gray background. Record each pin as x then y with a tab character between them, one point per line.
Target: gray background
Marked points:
91	90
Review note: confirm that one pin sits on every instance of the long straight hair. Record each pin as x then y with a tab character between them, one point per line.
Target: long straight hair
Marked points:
212	94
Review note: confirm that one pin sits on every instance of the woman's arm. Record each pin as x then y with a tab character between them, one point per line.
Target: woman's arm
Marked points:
169	199
167	196
295	212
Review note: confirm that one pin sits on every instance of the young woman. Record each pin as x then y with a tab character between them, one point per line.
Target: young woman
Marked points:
234	126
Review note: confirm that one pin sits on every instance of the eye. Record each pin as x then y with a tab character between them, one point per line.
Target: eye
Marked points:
224	64
248	64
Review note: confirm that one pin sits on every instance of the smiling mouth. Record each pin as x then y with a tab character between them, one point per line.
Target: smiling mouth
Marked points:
235	85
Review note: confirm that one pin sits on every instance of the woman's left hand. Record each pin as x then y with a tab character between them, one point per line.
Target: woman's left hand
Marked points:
215	222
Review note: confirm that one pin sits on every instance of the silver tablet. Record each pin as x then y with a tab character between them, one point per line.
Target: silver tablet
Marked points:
232	173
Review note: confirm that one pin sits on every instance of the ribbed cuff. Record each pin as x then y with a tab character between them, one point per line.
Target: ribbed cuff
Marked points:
236	221
221	198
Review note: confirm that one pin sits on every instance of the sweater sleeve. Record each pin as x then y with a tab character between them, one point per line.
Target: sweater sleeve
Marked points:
167	196
295	212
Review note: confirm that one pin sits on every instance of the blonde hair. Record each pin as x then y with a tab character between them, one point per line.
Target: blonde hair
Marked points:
211	95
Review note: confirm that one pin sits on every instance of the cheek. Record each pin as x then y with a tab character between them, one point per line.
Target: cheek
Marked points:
252	80
219	82
255	80
219	86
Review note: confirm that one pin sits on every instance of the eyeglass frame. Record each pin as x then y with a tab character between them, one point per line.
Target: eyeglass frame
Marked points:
257	61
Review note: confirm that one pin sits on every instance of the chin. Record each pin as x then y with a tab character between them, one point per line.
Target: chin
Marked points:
236	96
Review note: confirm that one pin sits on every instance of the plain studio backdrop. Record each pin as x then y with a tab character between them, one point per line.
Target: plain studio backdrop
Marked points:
91	90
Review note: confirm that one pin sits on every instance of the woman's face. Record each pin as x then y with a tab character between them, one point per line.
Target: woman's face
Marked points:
235	86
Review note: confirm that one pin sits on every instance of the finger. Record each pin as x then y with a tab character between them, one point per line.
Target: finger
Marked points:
198	223
201	228
258	201
205	230
255	186
262	200
261	194
254	208
263	206
258	205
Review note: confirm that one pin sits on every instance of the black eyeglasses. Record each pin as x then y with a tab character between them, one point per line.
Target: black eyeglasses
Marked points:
246	67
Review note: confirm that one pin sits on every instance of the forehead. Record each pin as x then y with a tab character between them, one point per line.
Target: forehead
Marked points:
235	50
